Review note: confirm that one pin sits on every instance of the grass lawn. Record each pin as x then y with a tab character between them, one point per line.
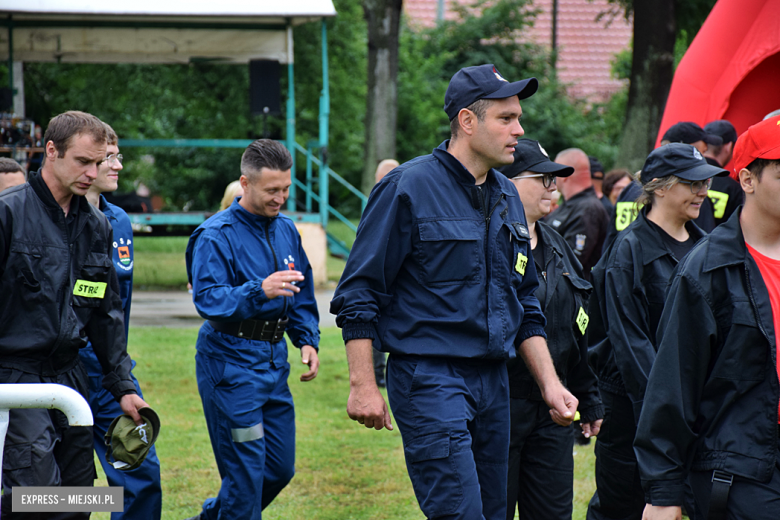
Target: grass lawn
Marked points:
159	261
343	470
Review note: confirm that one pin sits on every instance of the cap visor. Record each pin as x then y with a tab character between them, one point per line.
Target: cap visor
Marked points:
151	416
522	89
551	167
712	139
700	173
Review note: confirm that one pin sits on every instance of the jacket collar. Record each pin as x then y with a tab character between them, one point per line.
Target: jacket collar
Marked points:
106	209
653	246
587	192
78	204
550	246
243	215
464	177
726	244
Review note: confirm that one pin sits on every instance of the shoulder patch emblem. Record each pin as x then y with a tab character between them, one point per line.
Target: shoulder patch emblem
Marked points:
521	230
579	242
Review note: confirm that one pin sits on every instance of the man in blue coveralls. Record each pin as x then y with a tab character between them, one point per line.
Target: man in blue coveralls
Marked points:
143	494
439	277
252	281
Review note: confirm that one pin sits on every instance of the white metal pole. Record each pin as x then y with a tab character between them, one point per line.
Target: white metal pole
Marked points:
41	395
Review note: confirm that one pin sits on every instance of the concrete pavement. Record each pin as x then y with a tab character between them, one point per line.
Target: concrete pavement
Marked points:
175	309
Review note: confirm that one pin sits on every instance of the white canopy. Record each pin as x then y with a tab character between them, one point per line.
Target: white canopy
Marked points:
154	31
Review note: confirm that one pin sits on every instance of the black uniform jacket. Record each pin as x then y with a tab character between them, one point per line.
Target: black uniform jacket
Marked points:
629	285
565	306
58	288
582	221
712	396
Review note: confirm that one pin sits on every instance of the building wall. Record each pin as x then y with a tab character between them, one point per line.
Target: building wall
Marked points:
586	45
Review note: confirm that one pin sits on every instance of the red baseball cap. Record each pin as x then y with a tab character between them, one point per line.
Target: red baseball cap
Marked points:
760	141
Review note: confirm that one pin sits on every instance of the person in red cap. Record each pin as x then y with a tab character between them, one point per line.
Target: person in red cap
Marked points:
712	402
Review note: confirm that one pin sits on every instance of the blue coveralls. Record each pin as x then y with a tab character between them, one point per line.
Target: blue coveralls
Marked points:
441	276
242	382
143	494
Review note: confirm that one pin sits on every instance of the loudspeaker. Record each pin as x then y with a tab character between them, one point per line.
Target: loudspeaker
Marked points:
264	90
6	99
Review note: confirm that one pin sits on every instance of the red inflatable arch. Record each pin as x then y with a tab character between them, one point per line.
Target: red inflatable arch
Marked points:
732	68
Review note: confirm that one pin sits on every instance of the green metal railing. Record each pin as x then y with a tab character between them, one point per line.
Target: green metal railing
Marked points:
320	196
315	188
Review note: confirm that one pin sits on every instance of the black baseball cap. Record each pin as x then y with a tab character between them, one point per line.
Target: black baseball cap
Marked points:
723	129
595	166
531	157
679	159
689	133
470	84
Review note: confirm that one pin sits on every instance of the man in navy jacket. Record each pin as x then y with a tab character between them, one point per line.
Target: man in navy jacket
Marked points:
440	277
252	281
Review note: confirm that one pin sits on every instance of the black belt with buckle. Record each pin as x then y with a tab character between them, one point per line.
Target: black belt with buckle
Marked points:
258	330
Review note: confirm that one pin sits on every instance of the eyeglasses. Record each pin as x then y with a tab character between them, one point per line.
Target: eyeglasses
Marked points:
696	186
548	179
115	159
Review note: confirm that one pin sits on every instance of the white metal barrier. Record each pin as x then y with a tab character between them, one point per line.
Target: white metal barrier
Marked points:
41	395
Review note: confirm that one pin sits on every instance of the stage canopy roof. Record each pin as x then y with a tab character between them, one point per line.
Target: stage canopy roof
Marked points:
153	31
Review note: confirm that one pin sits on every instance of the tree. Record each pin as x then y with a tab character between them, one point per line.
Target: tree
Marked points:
661	29
383	18
652	69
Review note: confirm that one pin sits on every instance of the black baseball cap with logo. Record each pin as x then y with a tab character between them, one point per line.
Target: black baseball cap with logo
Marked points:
531	157
689	133
679	159
470	84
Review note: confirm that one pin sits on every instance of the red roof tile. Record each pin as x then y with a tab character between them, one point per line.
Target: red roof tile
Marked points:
586	47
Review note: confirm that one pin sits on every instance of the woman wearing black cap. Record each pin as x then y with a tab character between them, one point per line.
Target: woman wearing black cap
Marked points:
541	465
629	286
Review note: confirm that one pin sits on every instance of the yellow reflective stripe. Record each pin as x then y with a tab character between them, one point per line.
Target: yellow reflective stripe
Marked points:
582	320
626	213
522	261
719	202
89	289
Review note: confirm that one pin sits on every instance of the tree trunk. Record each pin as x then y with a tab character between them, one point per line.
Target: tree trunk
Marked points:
383	17
652	70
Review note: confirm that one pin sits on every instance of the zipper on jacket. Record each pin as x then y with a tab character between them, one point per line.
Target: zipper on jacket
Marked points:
761	326
67	297
276	268
488	214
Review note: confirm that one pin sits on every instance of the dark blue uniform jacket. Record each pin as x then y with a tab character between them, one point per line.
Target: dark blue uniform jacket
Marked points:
712	395
436	272
228	257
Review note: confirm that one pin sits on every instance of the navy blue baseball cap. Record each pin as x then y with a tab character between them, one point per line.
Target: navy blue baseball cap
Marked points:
679	159
531	157
470	84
